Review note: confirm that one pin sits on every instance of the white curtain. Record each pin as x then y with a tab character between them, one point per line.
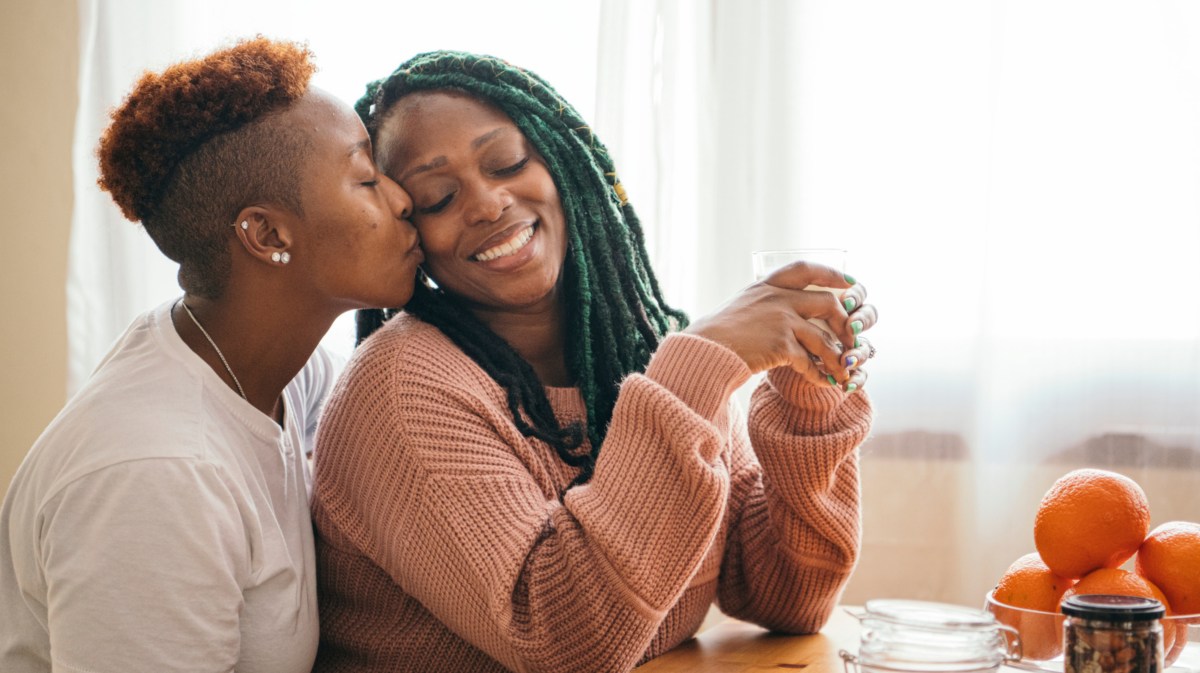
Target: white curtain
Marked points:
114	270
653	112
1018	184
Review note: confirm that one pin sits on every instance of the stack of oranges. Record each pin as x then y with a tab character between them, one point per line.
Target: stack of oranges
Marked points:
1089	523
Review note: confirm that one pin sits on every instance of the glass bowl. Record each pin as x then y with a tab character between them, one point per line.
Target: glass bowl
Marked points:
1042	635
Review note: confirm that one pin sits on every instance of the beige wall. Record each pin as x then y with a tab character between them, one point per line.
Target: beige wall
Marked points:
39	57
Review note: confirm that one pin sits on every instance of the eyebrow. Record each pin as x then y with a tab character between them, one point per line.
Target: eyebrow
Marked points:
438	162
483	139
363	145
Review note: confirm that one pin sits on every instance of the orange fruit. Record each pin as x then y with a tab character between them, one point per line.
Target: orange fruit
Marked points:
1116	581
1090	519
1029	584
1170	558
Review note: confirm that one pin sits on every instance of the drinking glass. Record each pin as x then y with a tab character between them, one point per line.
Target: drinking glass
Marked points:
767	261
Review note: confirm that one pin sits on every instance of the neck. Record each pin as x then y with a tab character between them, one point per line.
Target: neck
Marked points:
265	343
538	336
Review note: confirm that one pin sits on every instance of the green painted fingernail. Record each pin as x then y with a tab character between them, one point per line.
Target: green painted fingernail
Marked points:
849	278
831	380
856	326
849	303
857	342
851	388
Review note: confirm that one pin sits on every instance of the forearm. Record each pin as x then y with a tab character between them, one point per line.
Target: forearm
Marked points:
796	535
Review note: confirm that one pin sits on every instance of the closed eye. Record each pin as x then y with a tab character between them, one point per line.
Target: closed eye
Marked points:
437	207
370	183
513	169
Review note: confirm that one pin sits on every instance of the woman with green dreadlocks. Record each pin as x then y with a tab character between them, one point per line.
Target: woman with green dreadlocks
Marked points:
537	466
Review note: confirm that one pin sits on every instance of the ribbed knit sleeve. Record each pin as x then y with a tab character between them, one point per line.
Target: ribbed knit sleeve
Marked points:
421	471
794	533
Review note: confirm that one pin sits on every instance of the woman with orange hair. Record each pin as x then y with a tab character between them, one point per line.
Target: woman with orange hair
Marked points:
161	522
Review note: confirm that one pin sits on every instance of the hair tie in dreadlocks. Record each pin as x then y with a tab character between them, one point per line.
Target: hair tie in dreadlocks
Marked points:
616	314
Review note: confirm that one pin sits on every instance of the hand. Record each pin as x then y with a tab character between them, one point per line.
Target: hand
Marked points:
767	324
860	348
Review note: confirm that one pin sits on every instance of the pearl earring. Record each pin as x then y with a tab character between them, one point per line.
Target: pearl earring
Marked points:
285	257
245	225
275	257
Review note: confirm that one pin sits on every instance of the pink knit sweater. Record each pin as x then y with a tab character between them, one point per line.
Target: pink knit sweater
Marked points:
447	541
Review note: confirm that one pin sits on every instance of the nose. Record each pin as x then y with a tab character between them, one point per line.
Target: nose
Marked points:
398	199
488	201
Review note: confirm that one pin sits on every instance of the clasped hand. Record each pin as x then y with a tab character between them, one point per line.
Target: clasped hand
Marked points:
768	325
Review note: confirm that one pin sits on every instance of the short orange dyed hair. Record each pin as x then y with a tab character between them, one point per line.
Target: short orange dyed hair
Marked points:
192	145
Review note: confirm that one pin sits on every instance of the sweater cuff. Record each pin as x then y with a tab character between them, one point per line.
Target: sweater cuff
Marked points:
700	372
814	408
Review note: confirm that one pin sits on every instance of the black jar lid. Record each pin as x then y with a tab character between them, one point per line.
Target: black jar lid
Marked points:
1105	607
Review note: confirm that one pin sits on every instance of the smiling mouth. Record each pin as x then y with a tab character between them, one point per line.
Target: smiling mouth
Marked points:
511	246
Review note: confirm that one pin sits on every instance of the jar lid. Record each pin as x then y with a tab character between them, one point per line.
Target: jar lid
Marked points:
924	614
1105	607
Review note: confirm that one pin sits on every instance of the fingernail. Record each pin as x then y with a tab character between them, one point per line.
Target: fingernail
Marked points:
850	360
856	326
851	387
857	342
849	278
849	303
832	381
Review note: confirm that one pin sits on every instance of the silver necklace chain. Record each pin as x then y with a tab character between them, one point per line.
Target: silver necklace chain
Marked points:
218	350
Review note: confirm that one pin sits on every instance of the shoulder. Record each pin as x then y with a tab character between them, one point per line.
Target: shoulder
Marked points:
407	379
113	420
406	333
204	484
85	482
100	442
411	353
140	404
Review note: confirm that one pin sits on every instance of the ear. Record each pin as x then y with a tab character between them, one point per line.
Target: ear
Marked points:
266	233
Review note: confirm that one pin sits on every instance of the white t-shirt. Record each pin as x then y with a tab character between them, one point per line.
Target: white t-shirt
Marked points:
161	522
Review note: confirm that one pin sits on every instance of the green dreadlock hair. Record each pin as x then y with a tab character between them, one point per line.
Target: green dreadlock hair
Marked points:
616	314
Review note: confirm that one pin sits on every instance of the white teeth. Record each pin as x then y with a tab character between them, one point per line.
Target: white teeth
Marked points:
507	248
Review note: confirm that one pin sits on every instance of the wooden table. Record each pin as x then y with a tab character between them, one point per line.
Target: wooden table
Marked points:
733	647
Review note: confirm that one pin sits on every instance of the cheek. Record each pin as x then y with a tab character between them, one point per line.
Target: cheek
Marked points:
344	221
548	194
437	242
544	184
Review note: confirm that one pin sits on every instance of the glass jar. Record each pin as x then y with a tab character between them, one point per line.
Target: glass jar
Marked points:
908	636
1112	634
